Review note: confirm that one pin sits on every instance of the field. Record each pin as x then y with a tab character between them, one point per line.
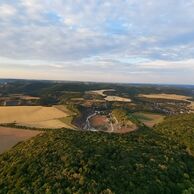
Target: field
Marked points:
100	92
24	97
34	116
117	98
165	96
110	98
149	119
10	136
192	106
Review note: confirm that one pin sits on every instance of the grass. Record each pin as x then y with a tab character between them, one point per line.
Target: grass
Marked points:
149	119
68	121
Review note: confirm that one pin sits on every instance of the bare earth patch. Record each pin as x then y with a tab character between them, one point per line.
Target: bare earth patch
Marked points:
109	98
11	136
101	121
101	92
34	116
98	120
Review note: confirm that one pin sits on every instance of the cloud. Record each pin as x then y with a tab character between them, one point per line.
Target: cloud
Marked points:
120	37
7	10
166	65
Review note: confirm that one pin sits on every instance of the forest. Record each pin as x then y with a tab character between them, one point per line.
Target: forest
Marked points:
158	160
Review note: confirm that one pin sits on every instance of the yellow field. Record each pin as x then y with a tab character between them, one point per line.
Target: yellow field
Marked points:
165	96
191	106
34	116
117	99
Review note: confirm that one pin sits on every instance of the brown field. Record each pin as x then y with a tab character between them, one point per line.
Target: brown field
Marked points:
34	116
11	136
165	96
149	119
117	99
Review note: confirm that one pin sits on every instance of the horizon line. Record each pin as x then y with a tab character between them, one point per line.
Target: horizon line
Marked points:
89	81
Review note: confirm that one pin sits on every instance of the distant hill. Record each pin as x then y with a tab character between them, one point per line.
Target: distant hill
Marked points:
66	161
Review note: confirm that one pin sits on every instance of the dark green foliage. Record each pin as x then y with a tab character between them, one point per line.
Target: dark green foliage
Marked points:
123	116
48	101
181	128
65	161
39	88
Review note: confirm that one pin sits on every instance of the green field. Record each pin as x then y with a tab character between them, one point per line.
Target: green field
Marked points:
149	119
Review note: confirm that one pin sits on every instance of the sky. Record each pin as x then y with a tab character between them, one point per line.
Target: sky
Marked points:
134	41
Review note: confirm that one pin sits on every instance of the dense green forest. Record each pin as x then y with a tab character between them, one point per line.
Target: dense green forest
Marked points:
66	161
181	128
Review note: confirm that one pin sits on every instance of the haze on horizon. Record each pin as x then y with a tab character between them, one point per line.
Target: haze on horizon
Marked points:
98	40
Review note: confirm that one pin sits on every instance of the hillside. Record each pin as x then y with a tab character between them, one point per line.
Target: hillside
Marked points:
66	161
181	128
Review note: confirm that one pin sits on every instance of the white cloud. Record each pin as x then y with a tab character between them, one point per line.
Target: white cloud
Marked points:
123	37
6	10
166	65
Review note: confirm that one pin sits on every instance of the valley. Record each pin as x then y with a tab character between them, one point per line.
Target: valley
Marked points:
90	106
